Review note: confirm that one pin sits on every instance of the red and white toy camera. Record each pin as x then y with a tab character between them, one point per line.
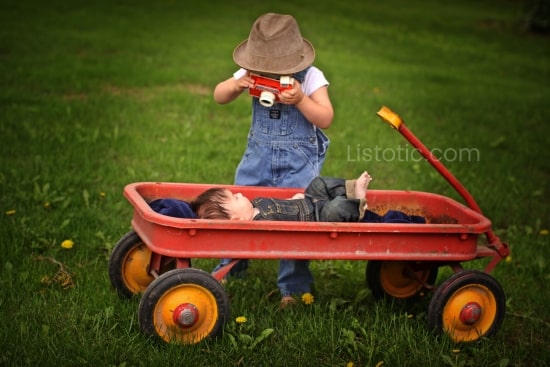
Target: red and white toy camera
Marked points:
268	89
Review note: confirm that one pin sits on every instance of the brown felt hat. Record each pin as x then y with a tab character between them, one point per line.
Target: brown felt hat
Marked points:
275	46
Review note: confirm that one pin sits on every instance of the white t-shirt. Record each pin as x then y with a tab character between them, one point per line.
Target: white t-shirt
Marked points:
314	79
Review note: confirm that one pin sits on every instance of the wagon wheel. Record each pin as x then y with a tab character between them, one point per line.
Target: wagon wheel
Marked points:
184	306
389	279
129	266
467	306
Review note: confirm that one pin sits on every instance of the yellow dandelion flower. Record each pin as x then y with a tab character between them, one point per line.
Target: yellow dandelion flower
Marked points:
241	320
380	364
508	259
456	351
67	244
47	204
410	315
349	364
102	194
307	298
543	232
10	212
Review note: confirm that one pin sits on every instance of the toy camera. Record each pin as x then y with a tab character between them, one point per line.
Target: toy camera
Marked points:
268	89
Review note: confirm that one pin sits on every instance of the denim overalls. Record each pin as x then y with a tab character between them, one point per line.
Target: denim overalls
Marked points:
284	150
326	200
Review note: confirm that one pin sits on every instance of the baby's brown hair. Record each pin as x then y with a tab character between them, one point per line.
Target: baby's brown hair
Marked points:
209	204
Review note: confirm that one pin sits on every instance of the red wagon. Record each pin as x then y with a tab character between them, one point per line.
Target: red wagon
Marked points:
184	304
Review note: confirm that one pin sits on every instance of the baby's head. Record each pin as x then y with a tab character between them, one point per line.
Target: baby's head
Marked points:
220	203
210	204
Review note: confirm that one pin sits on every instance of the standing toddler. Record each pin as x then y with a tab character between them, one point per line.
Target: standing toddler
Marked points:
286	143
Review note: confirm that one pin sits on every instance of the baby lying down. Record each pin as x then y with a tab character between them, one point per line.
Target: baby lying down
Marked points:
326	199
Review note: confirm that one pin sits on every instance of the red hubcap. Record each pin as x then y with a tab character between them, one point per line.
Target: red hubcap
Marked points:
470	313
185	315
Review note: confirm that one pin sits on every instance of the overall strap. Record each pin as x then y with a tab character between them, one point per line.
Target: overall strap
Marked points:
301	75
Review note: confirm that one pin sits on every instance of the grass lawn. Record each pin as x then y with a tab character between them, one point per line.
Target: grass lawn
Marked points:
96	95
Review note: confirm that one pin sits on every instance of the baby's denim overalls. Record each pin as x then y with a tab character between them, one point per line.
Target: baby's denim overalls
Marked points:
284	150
325	200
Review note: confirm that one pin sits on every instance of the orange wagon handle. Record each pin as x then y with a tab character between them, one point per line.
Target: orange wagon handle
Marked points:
397	123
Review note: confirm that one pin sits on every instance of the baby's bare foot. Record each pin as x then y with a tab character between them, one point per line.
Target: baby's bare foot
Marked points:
361	185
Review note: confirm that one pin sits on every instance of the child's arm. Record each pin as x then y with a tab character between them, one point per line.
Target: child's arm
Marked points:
231	88
317	107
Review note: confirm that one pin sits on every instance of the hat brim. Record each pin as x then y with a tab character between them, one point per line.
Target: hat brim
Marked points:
242	58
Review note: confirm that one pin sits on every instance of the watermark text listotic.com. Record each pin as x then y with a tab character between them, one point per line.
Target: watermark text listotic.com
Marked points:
359	153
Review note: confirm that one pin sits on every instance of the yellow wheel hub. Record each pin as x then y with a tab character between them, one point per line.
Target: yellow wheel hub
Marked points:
186	313
469	313
135	269
396	283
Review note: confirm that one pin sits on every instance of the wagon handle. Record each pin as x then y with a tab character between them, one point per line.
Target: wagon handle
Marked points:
390	117
397	123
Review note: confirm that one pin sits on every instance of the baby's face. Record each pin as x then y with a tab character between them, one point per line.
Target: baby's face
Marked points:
238	206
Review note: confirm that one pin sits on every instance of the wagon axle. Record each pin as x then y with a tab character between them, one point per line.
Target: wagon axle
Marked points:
470	313
186	315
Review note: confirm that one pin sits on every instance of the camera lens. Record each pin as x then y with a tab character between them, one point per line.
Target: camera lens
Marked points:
267	99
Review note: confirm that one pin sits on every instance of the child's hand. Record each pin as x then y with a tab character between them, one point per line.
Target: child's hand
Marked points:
298	196
292	96
244	83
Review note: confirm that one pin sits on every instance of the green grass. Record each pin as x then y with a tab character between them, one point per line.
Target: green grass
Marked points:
96	95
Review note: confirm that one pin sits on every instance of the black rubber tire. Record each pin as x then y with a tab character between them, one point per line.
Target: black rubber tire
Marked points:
129	284
184	286
457	292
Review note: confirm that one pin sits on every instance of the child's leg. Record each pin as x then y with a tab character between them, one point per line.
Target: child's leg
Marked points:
325	188
294	277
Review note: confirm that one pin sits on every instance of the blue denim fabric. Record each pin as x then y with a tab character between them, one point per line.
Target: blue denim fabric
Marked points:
284	150
300	210
325	201
328	194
